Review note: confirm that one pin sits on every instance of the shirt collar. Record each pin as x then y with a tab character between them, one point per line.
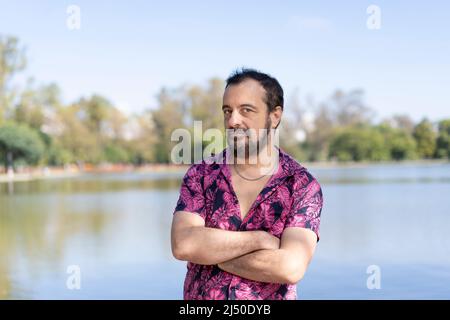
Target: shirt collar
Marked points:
285	161
286	169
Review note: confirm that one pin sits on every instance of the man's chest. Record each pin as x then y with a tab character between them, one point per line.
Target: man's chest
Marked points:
253	206
247	193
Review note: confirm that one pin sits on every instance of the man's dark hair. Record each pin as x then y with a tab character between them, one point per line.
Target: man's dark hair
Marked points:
274	92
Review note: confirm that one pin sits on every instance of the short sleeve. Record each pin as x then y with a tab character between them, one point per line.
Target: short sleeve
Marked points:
307	204
191	198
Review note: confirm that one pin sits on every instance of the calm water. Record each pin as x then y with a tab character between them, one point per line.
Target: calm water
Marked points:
116	228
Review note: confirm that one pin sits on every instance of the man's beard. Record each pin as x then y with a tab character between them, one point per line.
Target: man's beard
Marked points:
251	143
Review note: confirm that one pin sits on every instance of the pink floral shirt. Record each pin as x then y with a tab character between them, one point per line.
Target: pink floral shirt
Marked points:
291	198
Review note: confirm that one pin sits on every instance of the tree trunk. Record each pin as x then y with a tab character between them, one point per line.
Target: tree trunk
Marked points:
9	163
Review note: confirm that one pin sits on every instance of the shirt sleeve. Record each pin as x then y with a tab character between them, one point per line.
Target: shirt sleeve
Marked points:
192	197
307	205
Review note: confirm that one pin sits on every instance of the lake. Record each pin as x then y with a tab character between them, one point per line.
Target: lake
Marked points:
391	218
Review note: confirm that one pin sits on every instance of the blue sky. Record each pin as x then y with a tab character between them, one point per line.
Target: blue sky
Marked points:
128	50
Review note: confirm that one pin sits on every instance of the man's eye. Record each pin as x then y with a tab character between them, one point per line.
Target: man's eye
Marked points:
226	111
247	110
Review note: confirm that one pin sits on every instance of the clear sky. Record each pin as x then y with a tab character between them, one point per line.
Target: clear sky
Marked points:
128	50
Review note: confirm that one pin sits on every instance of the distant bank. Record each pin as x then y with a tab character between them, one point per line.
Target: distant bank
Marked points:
35	173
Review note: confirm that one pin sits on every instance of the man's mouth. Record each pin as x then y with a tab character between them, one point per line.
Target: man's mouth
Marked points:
238	134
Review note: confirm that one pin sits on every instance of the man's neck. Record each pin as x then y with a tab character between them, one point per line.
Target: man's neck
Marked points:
264	161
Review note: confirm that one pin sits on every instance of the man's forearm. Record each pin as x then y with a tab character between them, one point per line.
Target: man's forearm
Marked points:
203	245
272	266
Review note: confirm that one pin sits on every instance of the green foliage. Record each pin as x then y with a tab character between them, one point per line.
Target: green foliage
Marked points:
40	129
12	60
19	142
426	139
401	146
398	143
357	144
443	140
168	117
58	155
372	144
115	154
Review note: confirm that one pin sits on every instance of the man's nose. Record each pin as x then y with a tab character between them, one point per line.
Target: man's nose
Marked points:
235	120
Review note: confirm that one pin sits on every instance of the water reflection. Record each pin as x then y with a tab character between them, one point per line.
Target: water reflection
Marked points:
116	228
94	183
34	234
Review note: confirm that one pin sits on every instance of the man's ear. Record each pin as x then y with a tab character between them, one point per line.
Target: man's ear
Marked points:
275	116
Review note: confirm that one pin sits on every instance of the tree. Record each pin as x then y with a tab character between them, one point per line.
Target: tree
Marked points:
443	140
141	138
96	111
357	144
294	127
205	104
318	138
349	108
58	155
115	125
168	117
75	136
403	122
399	144
29	109
115	154
12	60
19	142
425	138
342	110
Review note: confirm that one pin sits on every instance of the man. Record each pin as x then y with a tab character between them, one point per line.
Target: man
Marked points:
248	229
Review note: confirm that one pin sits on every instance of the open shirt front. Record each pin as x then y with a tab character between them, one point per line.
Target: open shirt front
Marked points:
291	198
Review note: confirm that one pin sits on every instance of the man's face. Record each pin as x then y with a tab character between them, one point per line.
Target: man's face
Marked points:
244	108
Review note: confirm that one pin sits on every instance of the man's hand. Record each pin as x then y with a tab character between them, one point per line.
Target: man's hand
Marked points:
268	241
286	264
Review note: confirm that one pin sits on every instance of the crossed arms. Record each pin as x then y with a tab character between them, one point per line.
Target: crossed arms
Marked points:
255	255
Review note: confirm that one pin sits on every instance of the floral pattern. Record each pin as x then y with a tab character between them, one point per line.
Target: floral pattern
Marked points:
291	198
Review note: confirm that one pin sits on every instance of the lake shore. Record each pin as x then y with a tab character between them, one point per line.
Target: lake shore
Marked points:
35	173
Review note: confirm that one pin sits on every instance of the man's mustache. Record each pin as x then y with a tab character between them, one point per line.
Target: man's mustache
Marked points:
237	132
247	132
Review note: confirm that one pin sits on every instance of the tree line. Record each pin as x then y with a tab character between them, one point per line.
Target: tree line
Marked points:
37	128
